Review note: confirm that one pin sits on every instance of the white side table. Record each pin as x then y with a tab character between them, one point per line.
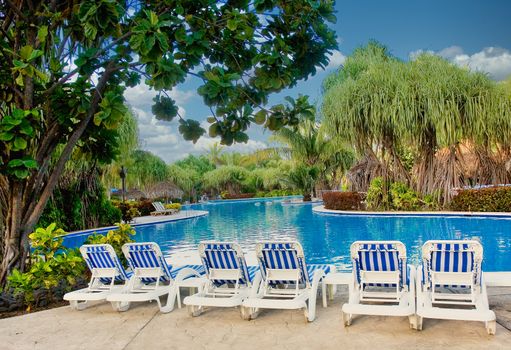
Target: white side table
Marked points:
331	280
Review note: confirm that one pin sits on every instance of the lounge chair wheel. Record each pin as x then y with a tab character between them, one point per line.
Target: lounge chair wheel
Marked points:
491	327
193	310
346	319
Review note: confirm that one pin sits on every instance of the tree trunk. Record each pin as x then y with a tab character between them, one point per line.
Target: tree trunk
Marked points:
13	248
23	212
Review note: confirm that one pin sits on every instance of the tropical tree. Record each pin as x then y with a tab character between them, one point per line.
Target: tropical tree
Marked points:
230	178
128	143
65	65
311	144
415	121
187	179
303	178
147	170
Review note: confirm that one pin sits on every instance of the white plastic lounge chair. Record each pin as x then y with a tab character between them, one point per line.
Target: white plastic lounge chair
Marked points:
382	283
450	283
287	282
153	278
160	209
106	270
229	277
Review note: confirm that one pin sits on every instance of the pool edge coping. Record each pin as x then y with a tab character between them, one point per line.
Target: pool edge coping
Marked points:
197	214
320	209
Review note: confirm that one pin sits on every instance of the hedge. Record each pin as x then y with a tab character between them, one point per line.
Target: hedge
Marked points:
342	200
492	199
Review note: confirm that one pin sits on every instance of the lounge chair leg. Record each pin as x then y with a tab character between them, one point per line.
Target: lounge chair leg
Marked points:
193	310
491	327
419	321
120	306
249	313
306	314
75	305
245	313
413	321
346	319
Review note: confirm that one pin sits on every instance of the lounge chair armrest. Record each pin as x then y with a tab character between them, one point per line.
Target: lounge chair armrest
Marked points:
256	289
186	273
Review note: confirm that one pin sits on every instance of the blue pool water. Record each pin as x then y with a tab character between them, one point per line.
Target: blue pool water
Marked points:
325	238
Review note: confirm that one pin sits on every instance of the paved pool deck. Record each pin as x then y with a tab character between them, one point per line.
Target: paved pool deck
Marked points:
144	327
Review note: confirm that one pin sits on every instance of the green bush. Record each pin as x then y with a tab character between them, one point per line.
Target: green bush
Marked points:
385	195
342	200
493	199
52	264
128	210
73	210
116	238
377	195
403	197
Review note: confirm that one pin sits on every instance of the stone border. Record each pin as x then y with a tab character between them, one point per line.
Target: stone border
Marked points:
321	210
151	220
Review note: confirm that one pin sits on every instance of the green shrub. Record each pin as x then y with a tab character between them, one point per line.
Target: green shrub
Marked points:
378	195
403	197
145	207
116	238
173	206
342	200
128	210
386	195
493	199
52	264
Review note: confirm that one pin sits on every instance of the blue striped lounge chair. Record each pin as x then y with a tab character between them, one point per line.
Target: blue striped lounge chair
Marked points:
382	283
107	275
286	281
153	278
229	279
450	283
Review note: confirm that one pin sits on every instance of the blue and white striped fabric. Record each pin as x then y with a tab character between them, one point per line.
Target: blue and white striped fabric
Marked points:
148	255
274	255
380	257
220	255
98	256
452	257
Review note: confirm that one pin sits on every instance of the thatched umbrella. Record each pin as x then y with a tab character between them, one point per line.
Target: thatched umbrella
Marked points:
132	194
164	189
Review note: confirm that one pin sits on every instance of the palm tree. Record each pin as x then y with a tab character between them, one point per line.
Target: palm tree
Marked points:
310	144
426	110
304	178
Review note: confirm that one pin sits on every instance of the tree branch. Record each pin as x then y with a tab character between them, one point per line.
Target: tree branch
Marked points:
68	149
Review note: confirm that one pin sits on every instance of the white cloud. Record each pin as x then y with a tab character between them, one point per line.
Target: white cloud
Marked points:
336	59
495	61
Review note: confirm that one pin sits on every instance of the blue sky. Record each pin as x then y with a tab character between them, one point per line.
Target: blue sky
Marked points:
474	34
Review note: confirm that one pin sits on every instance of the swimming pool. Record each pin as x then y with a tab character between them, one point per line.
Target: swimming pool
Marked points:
325	238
